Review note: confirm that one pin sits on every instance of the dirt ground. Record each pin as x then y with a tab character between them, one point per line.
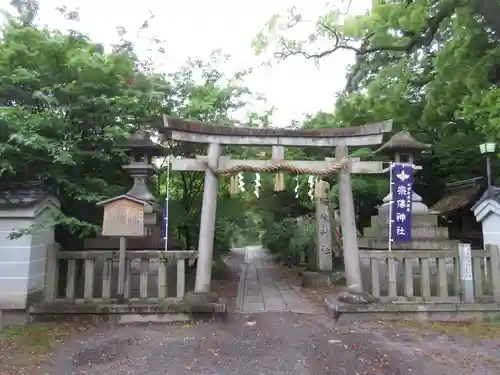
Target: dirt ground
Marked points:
23	350
270	343
265	344
465	344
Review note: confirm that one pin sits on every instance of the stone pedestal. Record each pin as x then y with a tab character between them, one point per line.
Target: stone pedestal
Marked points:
425	232
426	235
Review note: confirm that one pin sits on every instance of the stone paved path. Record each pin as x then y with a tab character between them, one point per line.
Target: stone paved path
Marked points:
261	290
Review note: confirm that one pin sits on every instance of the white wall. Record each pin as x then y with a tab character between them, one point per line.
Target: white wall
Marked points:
14	262
23	260
40	241
491	229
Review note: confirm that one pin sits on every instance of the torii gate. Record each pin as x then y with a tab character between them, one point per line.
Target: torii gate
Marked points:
215	136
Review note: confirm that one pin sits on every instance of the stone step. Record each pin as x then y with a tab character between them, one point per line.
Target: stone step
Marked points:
426	220
417	232
382	244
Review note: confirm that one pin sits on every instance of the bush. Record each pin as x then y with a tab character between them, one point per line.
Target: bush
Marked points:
277	237
303	239
289	238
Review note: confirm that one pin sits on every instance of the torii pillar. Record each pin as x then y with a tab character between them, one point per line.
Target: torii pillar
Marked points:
207	222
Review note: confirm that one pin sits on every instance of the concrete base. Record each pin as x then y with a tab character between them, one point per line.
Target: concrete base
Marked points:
411	311
13	318
201	298
169	310
318	279
16	314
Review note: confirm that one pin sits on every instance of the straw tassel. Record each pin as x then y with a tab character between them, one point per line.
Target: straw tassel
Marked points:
233	185
279	182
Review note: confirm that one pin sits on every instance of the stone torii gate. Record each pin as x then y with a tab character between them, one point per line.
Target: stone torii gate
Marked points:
215	136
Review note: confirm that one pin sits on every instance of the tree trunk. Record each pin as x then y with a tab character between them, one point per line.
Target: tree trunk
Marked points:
490	11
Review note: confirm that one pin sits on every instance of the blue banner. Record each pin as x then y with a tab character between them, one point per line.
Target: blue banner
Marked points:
401	191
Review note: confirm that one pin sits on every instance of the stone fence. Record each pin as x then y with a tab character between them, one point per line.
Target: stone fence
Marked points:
461	275
92	276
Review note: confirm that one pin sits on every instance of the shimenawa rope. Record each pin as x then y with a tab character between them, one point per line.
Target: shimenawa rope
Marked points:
282	167
279	179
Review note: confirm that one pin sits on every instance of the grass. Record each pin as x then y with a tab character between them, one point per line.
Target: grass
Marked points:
476	330
33	341
22	349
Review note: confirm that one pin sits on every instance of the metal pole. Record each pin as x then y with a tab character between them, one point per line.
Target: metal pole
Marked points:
488	170
391	263
167	188
390	206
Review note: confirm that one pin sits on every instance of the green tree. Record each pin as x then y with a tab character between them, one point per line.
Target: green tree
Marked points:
430	65
204	93
66	104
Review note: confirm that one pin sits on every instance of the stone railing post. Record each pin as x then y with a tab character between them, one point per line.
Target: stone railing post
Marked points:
52	272
494	251
466	275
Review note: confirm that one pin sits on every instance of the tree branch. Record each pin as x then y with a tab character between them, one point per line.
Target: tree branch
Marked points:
416	40
424	38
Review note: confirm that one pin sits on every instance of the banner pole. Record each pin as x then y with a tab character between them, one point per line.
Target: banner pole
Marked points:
391	202
165	212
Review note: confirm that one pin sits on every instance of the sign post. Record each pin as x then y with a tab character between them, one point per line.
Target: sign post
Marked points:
466	280
123	217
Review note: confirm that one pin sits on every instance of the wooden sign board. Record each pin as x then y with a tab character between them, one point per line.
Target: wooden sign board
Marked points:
123	218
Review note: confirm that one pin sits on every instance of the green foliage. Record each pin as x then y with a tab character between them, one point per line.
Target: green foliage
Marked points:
303	238
203	93
66	104
290	238
278	236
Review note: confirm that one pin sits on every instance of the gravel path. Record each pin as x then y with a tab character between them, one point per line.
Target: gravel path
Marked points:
264	344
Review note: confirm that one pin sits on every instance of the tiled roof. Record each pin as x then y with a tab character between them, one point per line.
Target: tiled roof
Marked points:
456	199
492	193
403	141
22	194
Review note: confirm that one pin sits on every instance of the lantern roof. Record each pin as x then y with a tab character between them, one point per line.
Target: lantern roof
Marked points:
403	141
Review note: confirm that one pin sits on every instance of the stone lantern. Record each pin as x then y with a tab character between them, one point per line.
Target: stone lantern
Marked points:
403	148
426	232
142	149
